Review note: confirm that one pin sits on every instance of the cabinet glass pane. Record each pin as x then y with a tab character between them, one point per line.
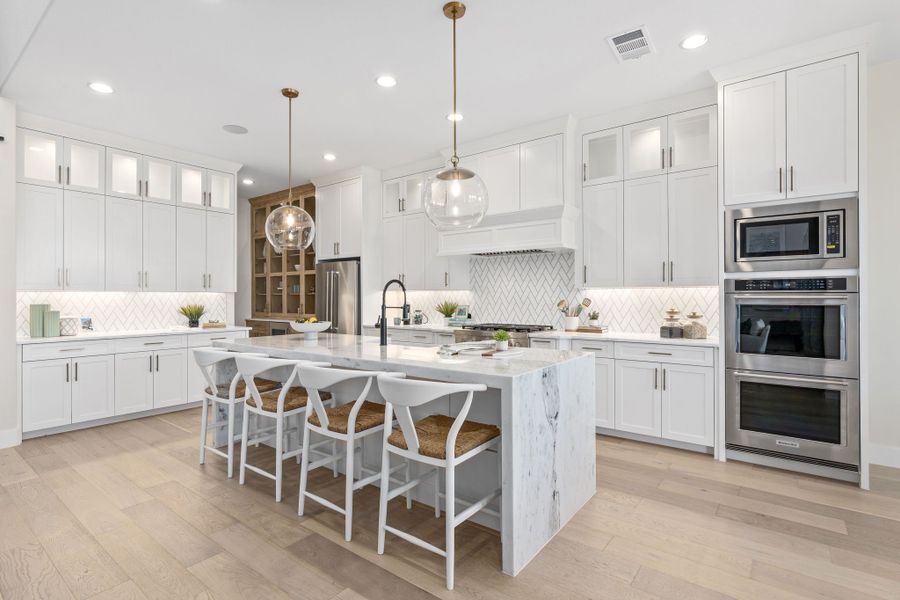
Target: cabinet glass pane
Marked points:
84	166
220	190
124	176
602	157
415	185
690	140
391	197
644	149
39	157
191	186
159	179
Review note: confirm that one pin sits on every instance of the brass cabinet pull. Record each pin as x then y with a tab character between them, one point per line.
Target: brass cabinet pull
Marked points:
780	176
76	371
59	180
151	362
584	171
67	372
664	380
791	187
656	379
664	271
671	270
68	181
662	158
660	353
670	156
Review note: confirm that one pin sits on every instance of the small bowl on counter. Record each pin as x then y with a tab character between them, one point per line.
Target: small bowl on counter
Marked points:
310	331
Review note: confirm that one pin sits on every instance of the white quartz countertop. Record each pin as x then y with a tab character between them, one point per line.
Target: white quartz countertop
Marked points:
624	336
110	335
425	327
364	352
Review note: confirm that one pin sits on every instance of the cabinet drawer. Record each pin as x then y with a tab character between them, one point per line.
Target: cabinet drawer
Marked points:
444	338
397	335
207	339
598	348
146	344
545	343
420	338
684	355
32	352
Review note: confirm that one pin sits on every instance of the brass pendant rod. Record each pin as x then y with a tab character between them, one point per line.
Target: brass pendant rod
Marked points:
290	147
455	158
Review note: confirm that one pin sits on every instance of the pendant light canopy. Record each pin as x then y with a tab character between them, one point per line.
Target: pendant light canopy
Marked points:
455	198
289	227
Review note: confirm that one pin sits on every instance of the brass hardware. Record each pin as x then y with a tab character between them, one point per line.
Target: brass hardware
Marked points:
67	372
146	279
157	363
664	271
671	270
660	353
146	188
67	276
69	181
151	362
59	180
584	171
655	379
664	380
454	11
204	281
584	275
59	278
662	158
76	371
153	343
209	280
791	187
670	156
139	279
780	184
446	279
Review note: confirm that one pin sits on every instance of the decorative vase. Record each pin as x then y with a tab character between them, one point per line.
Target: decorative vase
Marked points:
502	346
446	321
193	322
570	323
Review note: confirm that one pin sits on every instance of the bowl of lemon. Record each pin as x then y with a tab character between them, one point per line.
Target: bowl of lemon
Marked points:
310	328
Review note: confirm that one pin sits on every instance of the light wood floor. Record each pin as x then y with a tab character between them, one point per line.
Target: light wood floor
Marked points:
124	511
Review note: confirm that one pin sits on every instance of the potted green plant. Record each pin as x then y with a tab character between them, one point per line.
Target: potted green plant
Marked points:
501	340
193	312
594	319
448	309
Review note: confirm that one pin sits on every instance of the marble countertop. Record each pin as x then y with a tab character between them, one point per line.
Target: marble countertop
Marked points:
110	335
425	327
364	352
624	336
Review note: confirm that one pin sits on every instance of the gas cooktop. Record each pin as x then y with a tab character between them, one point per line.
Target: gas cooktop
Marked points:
511	327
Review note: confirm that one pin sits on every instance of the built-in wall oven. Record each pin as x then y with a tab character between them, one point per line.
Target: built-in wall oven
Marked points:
792	370
808	235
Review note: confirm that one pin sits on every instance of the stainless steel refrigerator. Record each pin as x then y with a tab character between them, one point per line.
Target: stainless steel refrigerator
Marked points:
338	295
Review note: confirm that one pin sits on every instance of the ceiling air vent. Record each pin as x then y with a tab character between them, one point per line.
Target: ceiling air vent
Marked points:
631	44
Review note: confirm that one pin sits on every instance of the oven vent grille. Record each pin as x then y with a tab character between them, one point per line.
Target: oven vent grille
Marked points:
505	252
793	457
631	44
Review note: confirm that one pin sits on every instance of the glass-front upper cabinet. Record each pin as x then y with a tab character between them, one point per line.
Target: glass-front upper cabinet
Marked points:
123	174
692	139
40	158
602	157
220	192
645	148
415	189
191	186
83	166
159	180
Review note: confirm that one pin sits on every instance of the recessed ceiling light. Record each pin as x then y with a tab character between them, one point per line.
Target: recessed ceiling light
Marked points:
329	156
692	42
236	129
455	117
247	181
387	81
100	87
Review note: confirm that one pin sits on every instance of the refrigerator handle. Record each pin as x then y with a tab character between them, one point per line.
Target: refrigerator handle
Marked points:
334	295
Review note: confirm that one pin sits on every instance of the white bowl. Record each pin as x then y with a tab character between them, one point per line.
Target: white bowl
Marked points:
298	267
310	331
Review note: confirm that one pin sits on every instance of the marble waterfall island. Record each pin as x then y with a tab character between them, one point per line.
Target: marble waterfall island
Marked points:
542	400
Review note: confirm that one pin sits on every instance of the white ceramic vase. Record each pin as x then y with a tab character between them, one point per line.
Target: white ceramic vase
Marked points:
570	323
502	346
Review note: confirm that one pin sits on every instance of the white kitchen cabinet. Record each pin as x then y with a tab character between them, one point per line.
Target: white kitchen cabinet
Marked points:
350	243
693	228
403	195
602	157
124	247
339	220
192	186
443	272
159	180
134	382
220	245
605	379
646	231
84	257
603	221
638	397
692	139
39	237
392	198
40	158
159	248
688	403
754	151
414	251
46	394
191	250
220	195
414	192
83	166
645	148
392	249
499	170
169	377
93	387
541	172
123	171
823	128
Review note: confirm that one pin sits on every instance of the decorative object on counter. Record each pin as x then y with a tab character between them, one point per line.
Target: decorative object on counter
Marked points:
589	329
310	328
563	306
455	198
672	327
419	317
193	312
448	309
695	329
594	319
213	325
461	317
584	304
51	323
36	319
501	339
289	227
69	325
570	323
87	323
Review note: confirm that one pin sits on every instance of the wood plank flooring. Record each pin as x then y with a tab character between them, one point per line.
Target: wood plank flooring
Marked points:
125	511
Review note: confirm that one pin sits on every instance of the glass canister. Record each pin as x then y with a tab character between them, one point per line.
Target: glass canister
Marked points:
671	326
695	328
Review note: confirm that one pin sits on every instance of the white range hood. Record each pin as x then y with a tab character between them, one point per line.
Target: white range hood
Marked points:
552	229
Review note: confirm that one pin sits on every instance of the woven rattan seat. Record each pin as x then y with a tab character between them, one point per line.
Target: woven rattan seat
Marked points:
296	398
370	415
433	432
263	385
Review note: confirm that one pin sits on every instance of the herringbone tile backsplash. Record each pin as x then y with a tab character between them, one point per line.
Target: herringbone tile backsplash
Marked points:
121	311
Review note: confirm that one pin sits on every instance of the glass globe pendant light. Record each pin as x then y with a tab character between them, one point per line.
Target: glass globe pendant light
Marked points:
455	198
289	227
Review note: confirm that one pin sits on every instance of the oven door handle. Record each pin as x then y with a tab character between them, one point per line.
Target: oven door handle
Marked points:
791	378
811	298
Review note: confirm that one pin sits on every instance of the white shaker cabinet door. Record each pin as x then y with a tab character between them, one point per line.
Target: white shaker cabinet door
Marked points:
220	244
123	174
134	382
688	406
39	237
413	192
84	235
350	223
220	196
40	158
160	258
191	250
392	198
124	249
693	228
638	397
191	186
499	169
823	128
84	166
46	394
159	180
414	251
603	212
392	249
645	148
646	230
692	139
754	154
169	377
605	390
541	172
328	221
93	387
601	155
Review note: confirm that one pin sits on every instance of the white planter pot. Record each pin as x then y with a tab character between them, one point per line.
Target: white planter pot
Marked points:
594	323
570	323
502	346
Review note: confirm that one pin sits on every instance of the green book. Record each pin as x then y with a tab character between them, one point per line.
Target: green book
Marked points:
51	323
36	319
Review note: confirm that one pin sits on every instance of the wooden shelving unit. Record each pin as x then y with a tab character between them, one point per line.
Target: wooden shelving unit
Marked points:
284	285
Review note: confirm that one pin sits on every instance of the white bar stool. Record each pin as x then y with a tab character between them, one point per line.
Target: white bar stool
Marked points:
290	401
228	395
438	441
347	423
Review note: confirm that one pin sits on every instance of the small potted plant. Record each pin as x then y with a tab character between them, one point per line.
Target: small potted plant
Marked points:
501	340
448	309
594	319
193	312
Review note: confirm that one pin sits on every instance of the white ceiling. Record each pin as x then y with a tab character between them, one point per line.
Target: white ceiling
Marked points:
183	68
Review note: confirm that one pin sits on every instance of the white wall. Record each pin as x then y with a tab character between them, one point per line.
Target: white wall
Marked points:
883	269
9	403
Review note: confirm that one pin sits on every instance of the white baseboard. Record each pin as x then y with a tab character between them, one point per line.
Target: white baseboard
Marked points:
888	456
10	437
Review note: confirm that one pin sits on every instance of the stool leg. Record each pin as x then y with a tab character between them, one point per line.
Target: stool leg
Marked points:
204	420
383	493
334	465
279	450
245	438
304	469
230	440
408	492
450	514
300	432
348	489
437	493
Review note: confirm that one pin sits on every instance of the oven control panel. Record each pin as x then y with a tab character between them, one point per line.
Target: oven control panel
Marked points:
818	284
833	233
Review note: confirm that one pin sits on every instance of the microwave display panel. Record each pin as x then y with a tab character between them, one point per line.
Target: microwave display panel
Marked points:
785	237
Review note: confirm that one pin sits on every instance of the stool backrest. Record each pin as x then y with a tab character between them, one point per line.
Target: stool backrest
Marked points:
250	366
208	359
316	378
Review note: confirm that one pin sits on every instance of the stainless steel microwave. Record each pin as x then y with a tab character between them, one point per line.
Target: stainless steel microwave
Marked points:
787	237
